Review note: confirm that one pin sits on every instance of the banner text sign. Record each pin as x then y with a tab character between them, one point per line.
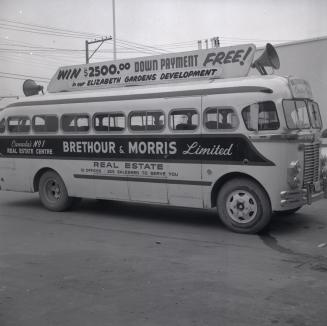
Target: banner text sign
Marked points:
226	62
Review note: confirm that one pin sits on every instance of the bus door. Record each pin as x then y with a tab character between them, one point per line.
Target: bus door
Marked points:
147	181
184	168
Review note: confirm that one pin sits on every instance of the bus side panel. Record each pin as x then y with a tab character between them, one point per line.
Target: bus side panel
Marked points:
148	192
111	189
184	185
14	174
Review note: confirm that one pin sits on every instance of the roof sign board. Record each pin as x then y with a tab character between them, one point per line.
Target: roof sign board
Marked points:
225	62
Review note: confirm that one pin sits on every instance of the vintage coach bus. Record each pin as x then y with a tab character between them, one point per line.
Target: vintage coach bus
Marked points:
248	146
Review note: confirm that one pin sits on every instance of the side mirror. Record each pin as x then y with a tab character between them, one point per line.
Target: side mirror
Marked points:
254	117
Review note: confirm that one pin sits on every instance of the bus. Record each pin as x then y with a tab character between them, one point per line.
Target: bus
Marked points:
247	146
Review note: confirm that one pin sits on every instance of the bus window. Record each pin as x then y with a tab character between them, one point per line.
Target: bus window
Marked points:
296	114
2	126
267	116
109	122
75	122
220	118
45	123
183	119
146	120
19	124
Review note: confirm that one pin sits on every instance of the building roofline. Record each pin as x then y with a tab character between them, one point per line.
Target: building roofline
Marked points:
308	40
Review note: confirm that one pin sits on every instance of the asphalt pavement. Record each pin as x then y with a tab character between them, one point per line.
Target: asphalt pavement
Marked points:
125	264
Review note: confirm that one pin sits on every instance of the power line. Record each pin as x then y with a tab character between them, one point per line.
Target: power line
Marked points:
16	58
53	50
16	43
53	31
10	77
155	49
51	28
137	49
31	47
12	74
47	30
41	32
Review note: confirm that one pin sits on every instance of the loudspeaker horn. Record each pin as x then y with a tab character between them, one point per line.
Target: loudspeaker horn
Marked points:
269	58
31	88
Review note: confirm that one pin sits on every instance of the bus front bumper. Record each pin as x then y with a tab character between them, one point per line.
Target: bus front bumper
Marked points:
306	196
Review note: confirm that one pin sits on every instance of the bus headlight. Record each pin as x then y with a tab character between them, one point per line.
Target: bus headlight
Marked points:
293	174
323	161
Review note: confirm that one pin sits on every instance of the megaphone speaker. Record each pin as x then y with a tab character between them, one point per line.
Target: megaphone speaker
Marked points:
269	58
31	88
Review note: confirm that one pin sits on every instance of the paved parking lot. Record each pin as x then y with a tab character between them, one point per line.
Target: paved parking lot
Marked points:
128	264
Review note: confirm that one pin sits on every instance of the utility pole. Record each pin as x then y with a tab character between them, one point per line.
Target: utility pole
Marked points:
114	28
87	43
215	42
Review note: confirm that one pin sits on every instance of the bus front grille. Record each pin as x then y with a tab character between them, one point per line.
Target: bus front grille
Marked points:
311	163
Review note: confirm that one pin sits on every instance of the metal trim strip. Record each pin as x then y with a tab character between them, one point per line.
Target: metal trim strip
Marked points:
197	92
104	177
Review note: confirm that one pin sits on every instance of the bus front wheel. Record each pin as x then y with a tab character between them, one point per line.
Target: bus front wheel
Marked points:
243	206
53	193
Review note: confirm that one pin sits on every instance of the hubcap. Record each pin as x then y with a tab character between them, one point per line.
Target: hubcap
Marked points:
241	206
53	190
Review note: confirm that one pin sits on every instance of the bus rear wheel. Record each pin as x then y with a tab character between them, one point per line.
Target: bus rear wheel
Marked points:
243	206
53	193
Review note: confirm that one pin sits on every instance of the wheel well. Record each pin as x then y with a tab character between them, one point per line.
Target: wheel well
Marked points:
233	175
37	177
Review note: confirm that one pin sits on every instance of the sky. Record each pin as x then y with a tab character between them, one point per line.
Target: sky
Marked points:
36	37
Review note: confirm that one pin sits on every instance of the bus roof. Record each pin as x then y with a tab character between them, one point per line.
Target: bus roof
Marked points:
261	84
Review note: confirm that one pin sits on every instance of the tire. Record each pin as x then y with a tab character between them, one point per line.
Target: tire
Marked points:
288	211
243	206
53	193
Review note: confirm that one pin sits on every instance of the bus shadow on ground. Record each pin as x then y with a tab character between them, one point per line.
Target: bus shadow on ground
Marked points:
280	224
288	224
202	217
149	212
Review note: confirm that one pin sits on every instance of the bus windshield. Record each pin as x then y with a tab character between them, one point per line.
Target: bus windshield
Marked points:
301	114
314	114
